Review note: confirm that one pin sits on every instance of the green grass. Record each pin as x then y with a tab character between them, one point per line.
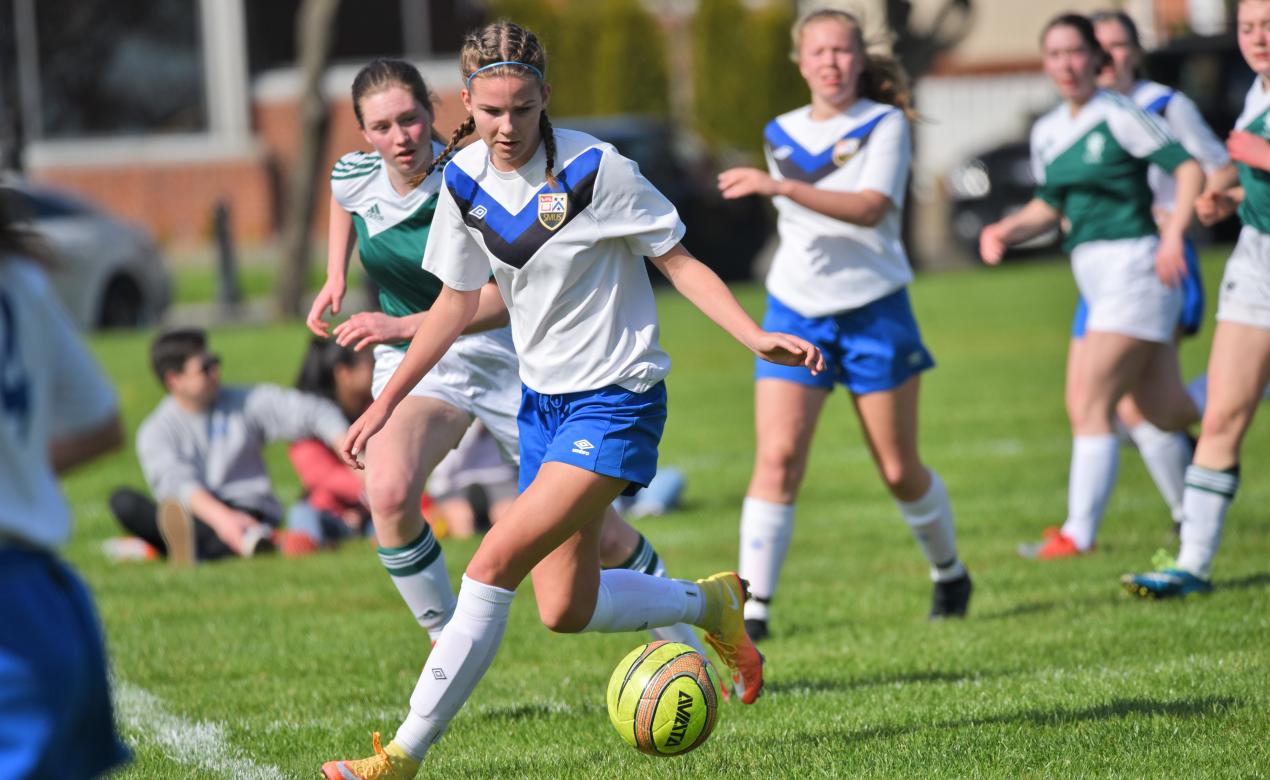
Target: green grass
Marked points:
196	274
1056	673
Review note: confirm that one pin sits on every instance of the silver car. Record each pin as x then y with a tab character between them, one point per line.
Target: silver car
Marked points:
107	272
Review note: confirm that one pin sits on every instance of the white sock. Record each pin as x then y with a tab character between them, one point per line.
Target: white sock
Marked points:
1095	460
631	601
458	661
1166	455
418	570
1208	496
766	529
931	520
679	632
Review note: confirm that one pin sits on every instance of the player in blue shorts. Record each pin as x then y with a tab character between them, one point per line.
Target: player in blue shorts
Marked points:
564	222
1165	453
838	170
56	412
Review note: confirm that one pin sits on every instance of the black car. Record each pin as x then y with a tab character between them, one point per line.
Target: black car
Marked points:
724	234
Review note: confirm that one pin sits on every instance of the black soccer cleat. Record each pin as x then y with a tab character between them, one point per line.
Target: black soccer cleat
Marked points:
950	599
757	629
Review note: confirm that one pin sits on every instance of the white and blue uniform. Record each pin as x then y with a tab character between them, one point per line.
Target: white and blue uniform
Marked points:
838	285
569	264
1183	119
55	712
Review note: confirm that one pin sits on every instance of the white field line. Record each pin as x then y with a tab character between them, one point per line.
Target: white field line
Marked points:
199	744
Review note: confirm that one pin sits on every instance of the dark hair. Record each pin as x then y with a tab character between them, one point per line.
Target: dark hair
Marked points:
1085	29
1130	29
170	350
383	73
317	370
16	237
883	79
502	41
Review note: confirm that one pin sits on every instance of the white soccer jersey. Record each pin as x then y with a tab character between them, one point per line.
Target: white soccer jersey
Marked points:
568	259
49	387
1188	127
825	265
1255	119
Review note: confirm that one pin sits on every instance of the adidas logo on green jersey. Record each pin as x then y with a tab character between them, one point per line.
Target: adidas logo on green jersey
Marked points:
373	213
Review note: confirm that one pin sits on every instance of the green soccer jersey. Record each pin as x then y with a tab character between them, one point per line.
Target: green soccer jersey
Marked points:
392	230
1092	166
1255	119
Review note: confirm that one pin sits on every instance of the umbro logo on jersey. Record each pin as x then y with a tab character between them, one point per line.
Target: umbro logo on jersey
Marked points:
782	152
583	447
1094	146
552	209
373	213
479	212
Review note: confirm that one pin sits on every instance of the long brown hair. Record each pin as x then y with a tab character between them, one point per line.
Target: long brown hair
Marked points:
502	41
384	73
883	79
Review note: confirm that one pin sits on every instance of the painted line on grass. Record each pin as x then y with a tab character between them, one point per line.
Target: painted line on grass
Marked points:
200	744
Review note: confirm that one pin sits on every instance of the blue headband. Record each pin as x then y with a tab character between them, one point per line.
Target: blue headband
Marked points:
536	72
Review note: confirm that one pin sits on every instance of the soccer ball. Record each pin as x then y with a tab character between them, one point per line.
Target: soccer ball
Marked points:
663	698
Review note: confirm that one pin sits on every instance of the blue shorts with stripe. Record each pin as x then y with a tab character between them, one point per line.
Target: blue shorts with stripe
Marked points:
1192	317
611	431
873	348
55	713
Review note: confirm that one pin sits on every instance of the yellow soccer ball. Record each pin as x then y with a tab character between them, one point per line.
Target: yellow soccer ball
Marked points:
663	698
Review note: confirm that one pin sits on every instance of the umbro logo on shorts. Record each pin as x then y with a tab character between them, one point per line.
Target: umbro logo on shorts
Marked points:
438	673
583	447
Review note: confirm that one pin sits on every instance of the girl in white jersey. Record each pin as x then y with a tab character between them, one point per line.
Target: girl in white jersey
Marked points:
1165	453
564	223
56	412
838	173
384	202
1239	364
1090	156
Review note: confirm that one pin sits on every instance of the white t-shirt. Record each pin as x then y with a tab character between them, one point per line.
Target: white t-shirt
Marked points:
49	387
825	265
1188	127
569	261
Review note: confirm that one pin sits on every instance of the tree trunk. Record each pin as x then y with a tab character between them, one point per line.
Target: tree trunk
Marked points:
315	32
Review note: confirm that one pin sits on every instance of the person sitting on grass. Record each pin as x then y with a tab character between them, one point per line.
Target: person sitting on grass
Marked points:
201	451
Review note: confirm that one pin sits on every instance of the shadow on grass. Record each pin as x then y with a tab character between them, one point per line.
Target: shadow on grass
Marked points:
1261	580
808	685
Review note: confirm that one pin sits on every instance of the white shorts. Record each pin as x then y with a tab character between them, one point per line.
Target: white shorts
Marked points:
1118	282
1245	286
479	374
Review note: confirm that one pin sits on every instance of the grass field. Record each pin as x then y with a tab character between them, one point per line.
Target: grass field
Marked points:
266	668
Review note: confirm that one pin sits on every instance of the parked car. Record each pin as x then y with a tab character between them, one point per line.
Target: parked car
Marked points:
999	181
108	273
724	234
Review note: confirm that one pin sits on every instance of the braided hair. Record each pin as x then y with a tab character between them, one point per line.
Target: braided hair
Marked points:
507	42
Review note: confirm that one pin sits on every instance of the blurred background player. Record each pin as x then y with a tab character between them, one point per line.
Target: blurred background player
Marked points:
1239	364
594	403
1090	157
838	175
56	412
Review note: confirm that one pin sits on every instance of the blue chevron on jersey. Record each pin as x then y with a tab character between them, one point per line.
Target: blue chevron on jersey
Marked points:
795	162
514	238
1158	105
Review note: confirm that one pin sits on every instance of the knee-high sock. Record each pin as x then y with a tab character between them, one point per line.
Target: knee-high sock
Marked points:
1208	495
766	530
646	560
931	520
631	601
418	571
1166	455
1095	460
458	661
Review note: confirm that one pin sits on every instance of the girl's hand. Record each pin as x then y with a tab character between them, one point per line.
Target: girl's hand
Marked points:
992	244
740	182
1249	149
1212	207
369	328
788	350
1170	260
329	297
364	427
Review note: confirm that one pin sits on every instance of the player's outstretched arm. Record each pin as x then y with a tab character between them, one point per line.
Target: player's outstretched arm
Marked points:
696	282
1170	259
339	245
1220	197
1028	222
446	320
865	208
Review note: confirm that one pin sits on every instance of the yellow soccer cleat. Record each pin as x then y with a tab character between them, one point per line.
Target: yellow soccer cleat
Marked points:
724	623
387	764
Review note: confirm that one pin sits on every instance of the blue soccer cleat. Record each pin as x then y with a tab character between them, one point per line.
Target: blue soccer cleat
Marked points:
1165	584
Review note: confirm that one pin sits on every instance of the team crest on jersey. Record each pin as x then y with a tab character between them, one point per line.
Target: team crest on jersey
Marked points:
1094	146
553	207
844	150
